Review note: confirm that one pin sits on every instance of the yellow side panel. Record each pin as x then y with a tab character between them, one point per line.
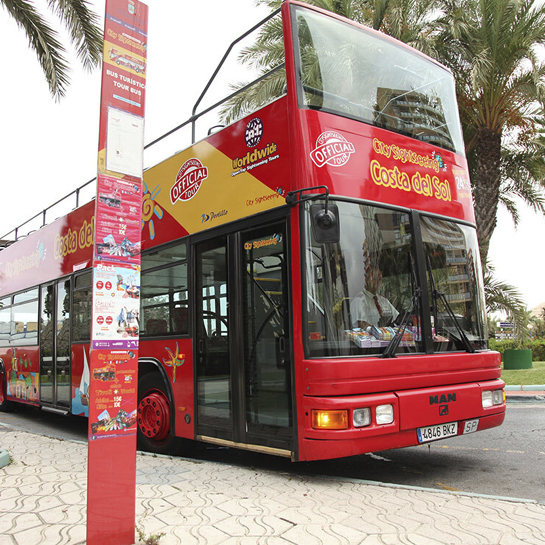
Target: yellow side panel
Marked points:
222	197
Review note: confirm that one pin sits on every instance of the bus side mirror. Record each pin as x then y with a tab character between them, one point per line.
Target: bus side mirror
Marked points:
325	223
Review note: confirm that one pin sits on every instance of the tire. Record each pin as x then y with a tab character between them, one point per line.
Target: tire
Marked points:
155	421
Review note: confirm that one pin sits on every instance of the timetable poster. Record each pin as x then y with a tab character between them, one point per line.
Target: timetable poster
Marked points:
116	306
118	219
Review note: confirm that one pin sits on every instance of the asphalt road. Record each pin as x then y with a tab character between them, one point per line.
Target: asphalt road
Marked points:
508	461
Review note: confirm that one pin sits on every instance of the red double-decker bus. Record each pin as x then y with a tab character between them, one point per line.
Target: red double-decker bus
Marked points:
310	281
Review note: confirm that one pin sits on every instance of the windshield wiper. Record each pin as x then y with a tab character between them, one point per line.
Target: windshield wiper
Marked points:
394	343
436	294
390	350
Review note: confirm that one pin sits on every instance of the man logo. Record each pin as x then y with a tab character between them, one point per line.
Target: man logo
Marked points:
445	398
443	410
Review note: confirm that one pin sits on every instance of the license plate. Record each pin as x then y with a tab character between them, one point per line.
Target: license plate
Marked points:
432	433
471	425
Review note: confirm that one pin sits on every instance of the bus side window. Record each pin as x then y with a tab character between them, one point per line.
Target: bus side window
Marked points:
81	307
5	317
163	293
180	318
23	312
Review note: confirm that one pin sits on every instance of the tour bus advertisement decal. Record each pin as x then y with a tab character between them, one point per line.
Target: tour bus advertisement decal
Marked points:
196	193
332	149
242	169
59	248
80	384
416	175
115	391
428	179
116	306
22	381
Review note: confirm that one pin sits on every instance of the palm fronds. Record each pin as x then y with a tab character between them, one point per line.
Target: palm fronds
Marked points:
81	24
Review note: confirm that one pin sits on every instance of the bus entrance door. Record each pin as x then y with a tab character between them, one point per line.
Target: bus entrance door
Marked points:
242	347
55	383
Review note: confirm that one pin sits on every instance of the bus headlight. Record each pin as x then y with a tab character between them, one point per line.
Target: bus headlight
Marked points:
491	398
361	417
385	414
329	420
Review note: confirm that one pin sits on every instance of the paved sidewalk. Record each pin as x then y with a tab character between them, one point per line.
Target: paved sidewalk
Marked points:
43	500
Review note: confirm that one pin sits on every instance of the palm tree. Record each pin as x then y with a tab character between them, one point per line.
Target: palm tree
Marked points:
523	169
502	297
85	35
410	21
490	45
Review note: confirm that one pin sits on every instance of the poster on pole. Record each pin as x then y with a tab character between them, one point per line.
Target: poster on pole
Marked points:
111	484
118	220
116	307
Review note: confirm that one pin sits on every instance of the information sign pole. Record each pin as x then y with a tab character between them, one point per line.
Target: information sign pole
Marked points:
111	479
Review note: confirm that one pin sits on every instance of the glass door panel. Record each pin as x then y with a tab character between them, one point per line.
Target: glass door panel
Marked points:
62	345
214	406
55	380
267	372
47	343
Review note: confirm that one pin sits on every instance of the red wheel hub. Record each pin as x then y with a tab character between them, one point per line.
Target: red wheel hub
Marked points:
154	416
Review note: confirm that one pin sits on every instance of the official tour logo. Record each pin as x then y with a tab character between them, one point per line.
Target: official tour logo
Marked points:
188	180
332	149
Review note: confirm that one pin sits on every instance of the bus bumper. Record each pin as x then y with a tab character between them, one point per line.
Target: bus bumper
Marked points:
398	419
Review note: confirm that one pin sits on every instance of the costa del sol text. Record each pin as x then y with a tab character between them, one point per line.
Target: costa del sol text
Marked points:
423	184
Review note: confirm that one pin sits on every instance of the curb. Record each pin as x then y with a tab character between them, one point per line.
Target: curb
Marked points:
525	394
532	388
4	458
521	400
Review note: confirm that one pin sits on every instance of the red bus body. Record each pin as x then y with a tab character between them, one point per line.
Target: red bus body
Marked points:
216	185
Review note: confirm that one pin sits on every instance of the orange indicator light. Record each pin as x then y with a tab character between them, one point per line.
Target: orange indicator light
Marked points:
330	420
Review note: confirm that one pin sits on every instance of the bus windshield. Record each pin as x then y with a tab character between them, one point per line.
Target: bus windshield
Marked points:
363	289
355	73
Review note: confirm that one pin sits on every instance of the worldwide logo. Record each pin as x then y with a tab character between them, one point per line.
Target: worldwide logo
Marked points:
332	149
188	180
254	132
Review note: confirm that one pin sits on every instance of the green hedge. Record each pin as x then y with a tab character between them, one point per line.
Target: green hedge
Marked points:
537	346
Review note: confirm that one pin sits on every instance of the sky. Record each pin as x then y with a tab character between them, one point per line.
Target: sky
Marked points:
49	148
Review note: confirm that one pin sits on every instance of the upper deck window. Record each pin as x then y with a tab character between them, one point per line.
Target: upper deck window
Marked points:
356	73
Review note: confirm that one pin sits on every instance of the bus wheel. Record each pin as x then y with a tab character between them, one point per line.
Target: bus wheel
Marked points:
5	405
154	422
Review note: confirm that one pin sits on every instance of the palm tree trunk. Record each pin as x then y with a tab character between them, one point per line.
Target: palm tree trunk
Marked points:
486	186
